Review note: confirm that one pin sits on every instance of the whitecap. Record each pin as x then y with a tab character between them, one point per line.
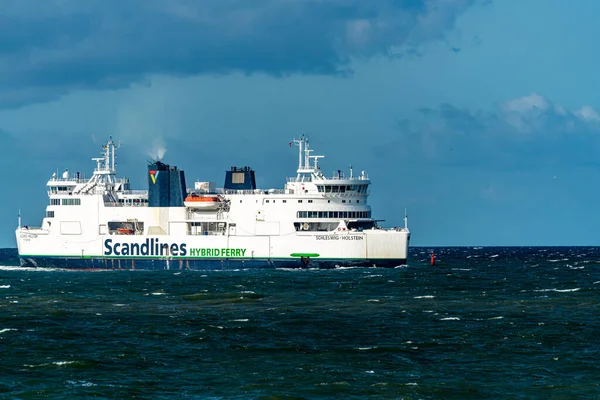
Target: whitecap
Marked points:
7	330
4	286
81	383
450	319
424	297
16	268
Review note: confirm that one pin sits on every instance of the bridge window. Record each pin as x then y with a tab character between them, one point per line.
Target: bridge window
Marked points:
55	202
49	214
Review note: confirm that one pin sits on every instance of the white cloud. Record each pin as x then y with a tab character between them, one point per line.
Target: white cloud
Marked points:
535	113
526	104
588	114
518	132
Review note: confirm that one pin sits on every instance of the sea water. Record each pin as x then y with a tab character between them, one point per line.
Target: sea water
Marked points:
498	323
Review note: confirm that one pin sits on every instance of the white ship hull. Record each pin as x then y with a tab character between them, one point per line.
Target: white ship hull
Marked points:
328	250
314	222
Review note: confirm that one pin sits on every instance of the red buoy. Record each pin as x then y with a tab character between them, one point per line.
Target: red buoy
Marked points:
432	258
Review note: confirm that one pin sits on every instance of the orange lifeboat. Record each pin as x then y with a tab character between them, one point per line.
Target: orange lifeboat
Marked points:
204	202
125	231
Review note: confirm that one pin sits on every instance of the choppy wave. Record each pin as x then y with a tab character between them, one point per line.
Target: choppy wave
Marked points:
481	323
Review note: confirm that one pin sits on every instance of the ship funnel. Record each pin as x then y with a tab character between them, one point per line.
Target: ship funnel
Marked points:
166	185
240	178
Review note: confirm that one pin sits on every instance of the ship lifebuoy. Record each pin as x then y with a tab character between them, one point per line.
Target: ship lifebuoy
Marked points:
339	229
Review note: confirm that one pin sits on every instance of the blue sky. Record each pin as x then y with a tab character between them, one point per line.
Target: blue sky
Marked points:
480	117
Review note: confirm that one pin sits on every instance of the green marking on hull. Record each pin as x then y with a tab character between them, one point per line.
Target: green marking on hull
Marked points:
304	255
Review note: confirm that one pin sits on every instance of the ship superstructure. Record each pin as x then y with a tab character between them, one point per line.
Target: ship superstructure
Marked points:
314	221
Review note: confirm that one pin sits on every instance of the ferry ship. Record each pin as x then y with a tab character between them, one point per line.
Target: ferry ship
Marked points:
315	221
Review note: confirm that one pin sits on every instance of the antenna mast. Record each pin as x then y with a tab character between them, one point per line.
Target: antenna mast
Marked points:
300	144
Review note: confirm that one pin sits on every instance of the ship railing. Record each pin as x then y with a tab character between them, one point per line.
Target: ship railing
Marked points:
130	204
397	229
248	192
334	177
73	178
205	218
342	177
125	204
134	192
38	230
394	229
292	179
345	194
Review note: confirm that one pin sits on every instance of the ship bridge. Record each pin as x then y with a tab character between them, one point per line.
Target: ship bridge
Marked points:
310	179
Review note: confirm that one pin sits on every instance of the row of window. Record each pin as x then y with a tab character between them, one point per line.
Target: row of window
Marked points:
333	214
342	188
65	202
56	189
